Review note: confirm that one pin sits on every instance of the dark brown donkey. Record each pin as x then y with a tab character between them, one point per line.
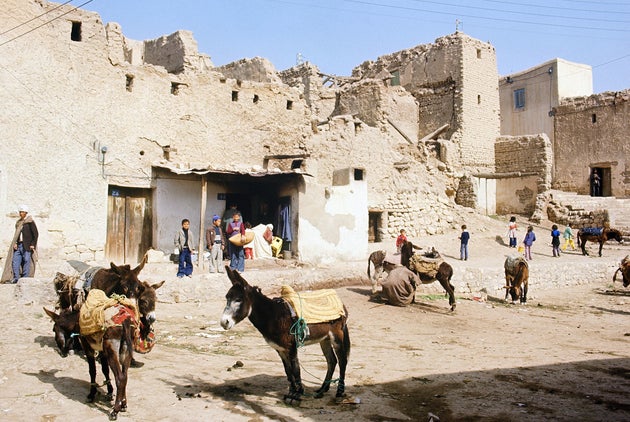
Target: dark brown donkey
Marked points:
117	351
118	342
273	319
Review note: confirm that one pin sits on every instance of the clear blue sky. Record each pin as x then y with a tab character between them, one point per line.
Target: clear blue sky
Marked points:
337	35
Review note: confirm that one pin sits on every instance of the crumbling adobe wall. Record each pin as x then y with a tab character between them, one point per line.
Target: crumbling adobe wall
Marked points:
175	52
257	69
525	163
593	131
455	82
319	97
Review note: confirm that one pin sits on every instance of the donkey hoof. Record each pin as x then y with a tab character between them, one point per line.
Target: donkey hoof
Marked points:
319	394
292	399
113	416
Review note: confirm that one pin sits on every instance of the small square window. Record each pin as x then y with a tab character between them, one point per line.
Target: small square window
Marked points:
358	174
519	99
234	95
479	53
289	105
594	118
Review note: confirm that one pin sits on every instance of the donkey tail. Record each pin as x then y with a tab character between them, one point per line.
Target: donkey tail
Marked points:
615	275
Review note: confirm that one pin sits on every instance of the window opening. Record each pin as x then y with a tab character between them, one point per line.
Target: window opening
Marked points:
256	99
395	80
478	99
234	95
594	118
296	164
175	88
75	34
289	105
129	83
358	174
479	53
519	98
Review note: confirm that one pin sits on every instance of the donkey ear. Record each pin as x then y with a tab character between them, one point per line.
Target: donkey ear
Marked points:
158	285
54	316
114	268
234	276
141	265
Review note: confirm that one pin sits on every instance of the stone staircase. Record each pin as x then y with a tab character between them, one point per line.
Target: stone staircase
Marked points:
578	205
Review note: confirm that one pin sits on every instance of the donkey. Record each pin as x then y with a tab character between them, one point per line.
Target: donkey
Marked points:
274	319
597	235
624	269
379	260
117	350
516	278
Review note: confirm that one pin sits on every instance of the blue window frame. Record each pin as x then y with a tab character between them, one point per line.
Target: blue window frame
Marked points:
519	98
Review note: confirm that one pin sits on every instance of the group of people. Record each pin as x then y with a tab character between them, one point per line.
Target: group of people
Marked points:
218	243
530	238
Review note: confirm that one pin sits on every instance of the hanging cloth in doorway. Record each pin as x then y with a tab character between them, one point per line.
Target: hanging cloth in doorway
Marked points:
285	222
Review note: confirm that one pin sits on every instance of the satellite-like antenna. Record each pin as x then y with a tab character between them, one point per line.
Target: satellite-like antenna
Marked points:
457	25
299	59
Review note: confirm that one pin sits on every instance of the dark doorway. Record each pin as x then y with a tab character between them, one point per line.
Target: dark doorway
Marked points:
129	224
600	181
374	228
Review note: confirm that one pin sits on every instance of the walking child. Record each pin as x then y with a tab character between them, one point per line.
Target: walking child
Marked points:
463	249
529	240
555	240
568	238
512	231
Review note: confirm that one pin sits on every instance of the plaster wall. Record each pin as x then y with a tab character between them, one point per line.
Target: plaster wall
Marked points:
333	222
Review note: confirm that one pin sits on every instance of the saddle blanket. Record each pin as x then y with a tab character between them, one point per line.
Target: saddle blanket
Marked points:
314	306
428	267
99	312
592	231
511	263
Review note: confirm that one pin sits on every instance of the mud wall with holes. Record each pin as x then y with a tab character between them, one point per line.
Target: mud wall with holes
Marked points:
92	109
592	132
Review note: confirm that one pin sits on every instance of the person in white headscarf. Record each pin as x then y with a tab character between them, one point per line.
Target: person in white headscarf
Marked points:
22	254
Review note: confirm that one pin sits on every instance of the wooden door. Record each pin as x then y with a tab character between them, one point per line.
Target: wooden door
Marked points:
129	224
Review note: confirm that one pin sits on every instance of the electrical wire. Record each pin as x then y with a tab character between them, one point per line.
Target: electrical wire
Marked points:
36	17
45	23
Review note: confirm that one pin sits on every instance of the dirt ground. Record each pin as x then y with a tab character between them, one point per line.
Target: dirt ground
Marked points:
565	356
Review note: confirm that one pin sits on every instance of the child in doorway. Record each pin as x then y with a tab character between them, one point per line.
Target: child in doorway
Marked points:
555	240
402	238
463	249
530	237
